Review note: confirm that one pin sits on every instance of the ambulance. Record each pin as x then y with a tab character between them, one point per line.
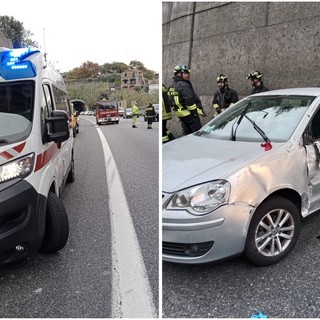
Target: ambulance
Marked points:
36	155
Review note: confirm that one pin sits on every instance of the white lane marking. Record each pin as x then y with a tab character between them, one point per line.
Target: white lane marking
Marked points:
131	292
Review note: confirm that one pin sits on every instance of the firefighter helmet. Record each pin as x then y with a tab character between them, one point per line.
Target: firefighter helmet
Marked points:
181	68
254	75
222	78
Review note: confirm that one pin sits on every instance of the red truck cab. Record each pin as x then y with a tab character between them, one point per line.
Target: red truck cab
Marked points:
107	111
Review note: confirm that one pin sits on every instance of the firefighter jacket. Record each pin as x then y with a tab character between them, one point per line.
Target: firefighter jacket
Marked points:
166	104
150	112
260	88
135	110
183	99
223	98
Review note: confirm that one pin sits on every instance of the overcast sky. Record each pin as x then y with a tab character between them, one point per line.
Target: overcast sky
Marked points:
101	31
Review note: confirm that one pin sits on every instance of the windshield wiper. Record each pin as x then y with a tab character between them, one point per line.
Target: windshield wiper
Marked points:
259	130
266	145
233	132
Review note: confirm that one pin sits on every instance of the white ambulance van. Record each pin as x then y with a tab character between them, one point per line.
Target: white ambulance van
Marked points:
36	155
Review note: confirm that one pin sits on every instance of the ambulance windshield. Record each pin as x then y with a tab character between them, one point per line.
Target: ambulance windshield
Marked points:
16	110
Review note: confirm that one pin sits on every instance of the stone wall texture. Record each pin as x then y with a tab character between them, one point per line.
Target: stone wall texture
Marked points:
280	39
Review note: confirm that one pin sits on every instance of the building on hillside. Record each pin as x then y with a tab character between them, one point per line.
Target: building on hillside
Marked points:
132	79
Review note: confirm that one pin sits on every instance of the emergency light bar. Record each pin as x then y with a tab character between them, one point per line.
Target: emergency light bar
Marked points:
13	64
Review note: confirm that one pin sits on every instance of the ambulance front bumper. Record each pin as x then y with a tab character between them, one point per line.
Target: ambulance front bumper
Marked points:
22	214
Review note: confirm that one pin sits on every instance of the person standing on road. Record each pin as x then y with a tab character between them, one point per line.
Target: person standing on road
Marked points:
135	115
185	103
166	115
224	97
150	115
256	81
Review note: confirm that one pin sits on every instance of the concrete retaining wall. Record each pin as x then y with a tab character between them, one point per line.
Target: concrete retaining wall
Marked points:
280	39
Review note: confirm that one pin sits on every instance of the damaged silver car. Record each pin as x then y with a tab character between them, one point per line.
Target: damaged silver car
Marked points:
244	181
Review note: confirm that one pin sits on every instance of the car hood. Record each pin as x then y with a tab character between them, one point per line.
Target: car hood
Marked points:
191	160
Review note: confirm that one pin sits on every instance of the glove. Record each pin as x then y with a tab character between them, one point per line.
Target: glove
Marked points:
201	112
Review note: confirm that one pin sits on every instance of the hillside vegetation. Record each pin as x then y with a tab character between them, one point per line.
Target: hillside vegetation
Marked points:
90	80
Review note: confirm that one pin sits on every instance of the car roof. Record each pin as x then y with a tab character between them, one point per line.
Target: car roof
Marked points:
292	91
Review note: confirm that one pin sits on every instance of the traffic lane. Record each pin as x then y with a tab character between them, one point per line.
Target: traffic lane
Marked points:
76	282
236	289
136	153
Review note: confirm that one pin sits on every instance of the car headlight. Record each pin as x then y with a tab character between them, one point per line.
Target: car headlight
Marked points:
19	168
201	199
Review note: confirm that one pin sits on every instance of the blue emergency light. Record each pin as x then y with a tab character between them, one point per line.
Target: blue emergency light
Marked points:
13	64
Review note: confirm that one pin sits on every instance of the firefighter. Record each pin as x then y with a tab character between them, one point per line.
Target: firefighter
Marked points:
150	115
256	81
166	115
224	97
135	115
185	103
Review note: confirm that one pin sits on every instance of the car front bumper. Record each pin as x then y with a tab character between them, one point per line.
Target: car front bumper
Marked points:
216	236
108	119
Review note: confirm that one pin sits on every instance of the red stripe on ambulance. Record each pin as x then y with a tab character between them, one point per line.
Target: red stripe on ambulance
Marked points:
45	157
14	152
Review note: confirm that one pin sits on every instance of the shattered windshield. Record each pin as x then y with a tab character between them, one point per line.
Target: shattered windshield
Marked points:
258	119
16	110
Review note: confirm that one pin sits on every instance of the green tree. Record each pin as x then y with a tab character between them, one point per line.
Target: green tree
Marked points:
88	70
14	30
114	67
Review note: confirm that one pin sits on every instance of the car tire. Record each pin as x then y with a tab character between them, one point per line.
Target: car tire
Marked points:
56	225
273	232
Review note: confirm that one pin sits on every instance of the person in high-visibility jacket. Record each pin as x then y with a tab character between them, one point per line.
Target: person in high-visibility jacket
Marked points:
166	115
135	115
150	115
224	97
186	104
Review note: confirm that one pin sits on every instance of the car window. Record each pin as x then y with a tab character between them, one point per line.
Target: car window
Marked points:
276	116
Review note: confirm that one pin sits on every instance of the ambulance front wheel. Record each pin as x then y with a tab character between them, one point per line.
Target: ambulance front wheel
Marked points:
56	226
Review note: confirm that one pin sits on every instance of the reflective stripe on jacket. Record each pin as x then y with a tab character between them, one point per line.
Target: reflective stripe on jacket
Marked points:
222	99
183	99
150	112
166	105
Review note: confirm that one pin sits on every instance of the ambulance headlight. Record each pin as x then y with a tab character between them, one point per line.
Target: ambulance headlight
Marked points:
19	168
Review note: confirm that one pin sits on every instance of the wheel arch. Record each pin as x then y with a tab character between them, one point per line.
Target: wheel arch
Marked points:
287	193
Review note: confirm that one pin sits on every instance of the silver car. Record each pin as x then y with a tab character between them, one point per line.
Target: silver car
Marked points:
244	181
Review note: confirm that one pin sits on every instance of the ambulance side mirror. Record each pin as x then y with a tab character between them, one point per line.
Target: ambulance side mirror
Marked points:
57	126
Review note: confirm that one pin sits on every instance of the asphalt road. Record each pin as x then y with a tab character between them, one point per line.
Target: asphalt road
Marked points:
76	282
236	289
